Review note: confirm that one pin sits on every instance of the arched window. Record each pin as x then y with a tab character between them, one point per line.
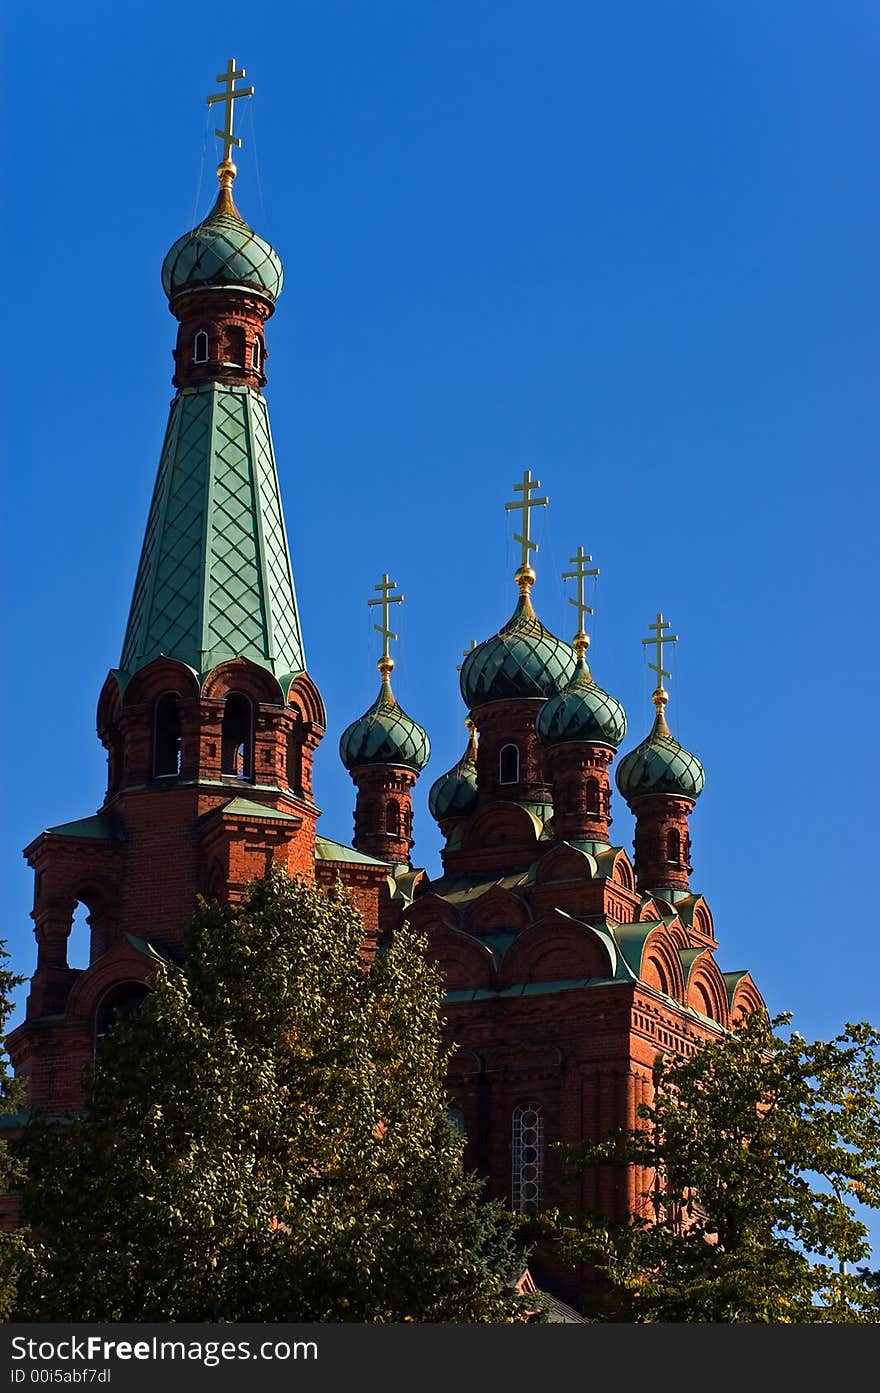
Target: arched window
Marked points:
592	795
508	765
673	845
294	760
235	342
237	739
114	1005
166	736
200	347
257	356
527	1147
392	818
456	1120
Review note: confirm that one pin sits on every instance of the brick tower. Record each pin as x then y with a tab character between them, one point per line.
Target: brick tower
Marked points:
211	720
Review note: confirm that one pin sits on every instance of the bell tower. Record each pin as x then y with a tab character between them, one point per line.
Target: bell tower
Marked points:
210	721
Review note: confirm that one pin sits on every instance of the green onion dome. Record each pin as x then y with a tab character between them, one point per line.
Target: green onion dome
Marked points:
454	794
385	734
522	660
582	711
660	765
222	251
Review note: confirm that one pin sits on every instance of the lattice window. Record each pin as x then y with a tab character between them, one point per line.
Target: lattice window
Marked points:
527	1189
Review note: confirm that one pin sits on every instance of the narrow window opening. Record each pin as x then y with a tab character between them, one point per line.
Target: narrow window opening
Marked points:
257	356
235	342
673	845
79	940
527	1148
592	795
200	347
166	737
237	737
508	765
295	761
392	818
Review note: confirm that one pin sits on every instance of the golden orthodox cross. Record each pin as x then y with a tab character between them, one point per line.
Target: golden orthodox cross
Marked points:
228	97
473	645
658	641
386	599
580	574
527	503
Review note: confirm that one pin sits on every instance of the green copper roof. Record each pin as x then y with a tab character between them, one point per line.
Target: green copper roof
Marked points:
660	765
582	711
222	251
246	807
215	580
327	850
101	829
522	660
454	794
385	734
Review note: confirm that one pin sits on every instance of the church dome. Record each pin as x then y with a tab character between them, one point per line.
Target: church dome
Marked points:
454	794
385	734
222	251
522	660
582	711
660	765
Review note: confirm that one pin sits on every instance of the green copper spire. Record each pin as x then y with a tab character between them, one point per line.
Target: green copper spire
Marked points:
215	580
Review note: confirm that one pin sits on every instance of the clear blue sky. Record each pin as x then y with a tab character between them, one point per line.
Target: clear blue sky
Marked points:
631	247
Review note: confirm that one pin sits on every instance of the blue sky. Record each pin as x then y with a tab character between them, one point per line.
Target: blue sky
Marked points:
630	247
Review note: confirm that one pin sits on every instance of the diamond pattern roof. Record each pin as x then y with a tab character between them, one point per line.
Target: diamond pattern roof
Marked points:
582	711
522	660
385	734
215	579
660	765
223	250
454	794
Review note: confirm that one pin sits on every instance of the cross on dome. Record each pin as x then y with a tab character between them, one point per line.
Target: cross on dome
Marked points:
525	575
228	97
580	574
386	599
657	640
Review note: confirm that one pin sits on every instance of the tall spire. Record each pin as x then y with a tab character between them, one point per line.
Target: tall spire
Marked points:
215	580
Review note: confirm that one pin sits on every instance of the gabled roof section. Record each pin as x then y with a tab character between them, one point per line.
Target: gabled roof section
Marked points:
327	850
97	829
215	580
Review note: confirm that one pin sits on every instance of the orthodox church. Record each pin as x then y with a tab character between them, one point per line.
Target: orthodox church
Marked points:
568	965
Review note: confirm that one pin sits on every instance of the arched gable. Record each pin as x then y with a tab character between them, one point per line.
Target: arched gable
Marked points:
565	862
502	824
705	989
109	703
649	912
557	948
123	962
430	912
742	995
305	697
497	910
653	957
241	675
161	675
466	963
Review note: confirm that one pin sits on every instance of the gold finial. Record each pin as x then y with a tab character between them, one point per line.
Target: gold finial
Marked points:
581	641
470	649
525	576
386	662
660	637
226	170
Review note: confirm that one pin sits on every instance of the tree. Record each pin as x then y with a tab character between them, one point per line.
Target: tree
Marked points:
752	1154
265	1138
13	1245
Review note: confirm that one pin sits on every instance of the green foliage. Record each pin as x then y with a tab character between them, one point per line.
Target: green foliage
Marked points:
265	1138
751	1156
13	1246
